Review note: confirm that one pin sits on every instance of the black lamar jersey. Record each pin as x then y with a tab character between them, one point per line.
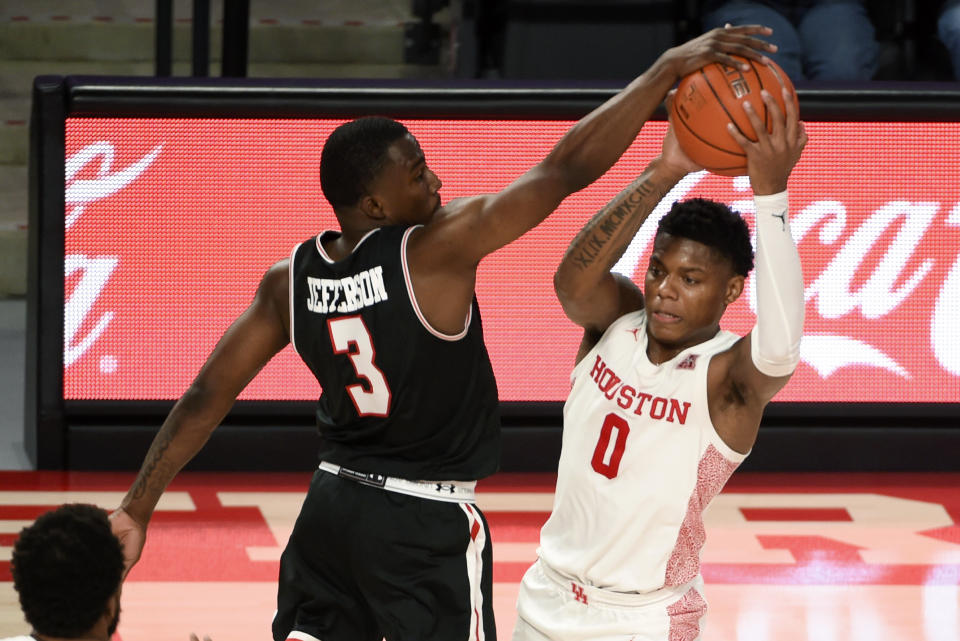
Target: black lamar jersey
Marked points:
398	398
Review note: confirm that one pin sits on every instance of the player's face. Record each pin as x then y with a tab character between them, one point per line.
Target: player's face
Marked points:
406	188
687	287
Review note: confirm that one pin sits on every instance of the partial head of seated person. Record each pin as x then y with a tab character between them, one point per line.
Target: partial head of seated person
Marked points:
67	570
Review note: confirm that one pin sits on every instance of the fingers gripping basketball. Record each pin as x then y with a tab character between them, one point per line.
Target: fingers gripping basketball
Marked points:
709	98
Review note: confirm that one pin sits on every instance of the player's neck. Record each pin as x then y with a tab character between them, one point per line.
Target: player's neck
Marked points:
340	246
659	352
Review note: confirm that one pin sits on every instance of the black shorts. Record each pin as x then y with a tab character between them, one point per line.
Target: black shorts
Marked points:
365	563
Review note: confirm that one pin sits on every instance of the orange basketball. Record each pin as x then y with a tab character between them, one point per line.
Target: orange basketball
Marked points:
709	98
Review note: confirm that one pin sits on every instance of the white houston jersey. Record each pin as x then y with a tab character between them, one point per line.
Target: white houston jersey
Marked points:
640	461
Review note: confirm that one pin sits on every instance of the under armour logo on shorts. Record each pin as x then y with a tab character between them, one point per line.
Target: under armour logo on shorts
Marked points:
578	593
446	487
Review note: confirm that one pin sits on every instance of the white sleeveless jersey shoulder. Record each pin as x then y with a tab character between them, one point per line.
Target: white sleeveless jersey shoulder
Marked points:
640	461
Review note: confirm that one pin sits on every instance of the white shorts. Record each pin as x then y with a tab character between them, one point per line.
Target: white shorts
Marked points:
551	607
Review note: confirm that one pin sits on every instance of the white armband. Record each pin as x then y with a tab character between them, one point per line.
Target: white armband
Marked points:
775	339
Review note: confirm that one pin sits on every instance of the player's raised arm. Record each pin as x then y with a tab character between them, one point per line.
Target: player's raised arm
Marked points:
760	364
468	230
591	295
250	342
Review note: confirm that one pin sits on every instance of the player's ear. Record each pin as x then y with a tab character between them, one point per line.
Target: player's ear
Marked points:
373	208
734	289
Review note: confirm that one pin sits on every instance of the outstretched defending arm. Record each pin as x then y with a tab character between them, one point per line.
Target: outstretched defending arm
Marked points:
472	228
250	342
444	255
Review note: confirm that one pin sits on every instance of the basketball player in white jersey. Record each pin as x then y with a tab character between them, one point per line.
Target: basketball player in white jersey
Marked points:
664	404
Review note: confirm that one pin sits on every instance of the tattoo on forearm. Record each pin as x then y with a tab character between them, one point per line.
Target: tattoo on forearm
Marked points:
155	470
605	225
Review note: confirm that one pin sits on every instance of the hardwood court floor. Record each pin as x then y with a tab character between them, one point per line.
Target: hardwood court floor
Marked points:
789	557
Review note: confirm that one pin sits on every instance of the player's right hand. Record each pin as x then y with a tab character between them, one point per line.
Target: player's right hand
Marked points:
772	157
717	45
132	536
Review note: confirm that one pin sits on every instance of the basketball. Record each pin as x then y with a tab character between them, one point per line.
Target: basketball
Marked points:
709	98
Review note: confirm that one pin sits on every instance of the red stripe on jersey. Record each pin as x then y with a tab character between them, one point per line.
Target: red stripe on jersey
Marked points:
475	528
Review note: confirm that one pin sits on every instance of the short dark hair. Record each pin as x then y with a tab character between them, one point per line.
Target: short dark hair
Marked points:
713	224
353	156
65	567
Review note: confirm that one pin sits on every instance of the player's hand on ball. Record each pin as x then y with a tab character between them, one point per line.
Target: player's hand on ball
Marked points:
717	45
672	155
772	157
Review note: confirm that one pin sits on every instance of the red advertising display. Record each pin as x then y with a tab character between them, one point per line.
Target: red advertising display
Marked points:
170	223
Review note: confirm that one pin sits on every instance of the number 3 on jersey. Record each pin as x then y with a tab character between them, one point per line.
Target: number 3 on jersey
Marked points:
609	450
350	336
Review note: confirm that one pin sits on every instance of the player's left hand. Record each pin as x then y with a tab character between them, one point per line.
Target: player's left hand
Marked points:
719	45
671	154
772	157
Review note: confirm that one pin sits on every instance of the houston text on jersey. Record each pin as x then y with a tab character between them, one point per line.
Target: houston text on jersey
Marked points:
627	396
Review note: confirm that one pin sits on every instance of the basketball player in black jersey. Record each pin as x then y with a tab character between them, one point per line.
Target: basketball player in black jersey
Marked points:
389	542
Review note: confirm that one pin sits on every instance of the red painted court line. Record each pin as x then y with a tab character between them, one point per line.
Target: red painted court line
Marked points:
518	482
23	512
795	514
950	534
515	527
60	481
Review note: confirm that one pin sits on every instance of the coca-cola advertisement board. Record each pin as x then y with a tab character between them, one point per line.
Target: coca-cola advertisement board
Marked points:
170	223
